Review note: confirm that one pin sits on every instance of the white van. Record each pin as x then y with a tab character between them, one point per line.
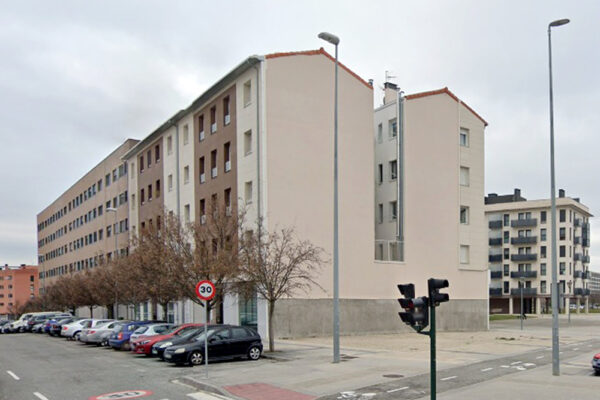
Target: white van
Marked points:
21	324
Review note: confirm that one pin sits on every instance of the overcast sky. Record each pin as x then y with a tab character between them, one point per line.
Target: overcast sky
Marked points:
78	78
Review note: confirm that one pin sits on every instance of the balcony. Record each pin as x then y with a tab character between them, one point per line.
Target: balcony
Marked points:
524	240
495	224
522	223
577	222
523	257
203	219
495	258
578	257
213	172
495	241
523	274
227	166
577	240
585	242
202	177
227	119
526	292
496	274
582	292
495	291
585	259
578	274
213	127
586	275
201	135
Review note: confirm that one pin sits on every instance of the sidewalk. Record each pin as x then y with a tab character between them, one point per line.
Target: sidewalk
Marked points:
305	366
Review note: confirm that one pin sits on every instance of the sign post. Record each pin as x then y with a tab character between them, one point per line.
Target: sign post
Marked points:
205	291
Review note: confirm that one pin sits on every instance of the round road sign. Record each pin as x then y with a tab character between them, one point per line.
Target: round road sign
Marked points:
205	290
127	394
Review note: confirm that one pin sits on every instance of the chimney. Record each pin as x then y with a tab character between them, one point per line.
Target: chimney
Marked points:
371	82
517	194
577	199
390	92
561	193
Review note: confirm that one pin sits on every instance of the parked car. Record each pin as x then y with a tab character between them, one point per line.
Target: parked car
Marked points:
3	323
144	345
72	330
56	327
119	339
159	347
150	330
224	342
596	363
89	330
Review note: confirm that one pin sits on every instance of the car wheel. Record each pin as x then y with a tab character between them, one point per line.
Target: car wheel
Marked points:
254	353
196	358
76	336
21	330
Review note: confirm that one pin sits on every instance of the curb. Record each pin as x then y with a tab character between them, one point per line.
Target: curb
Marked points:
275	357
206	387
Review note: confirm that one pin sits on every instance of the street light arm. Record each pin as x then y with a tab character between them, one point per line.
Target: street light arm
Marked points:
329	37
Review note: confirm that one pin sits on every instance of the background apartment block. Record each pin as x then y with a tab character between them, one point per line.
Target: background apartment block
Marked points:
520	252
429	189
17	285
79	228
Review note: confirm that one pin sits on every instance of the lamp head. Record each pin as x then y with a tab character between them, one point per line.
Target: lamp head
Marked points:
329	37
559	22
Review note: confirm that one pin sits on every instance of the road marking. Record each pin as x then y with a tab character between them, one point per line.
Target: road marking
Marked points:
519	368
504	366
516	362
589	345
397	390
576	348
13	375
40	396
538	357
448	378
529	365
487	369
560	352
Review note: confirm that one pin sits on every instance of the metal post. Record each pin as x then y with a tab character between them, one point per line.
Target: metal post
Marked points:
522	311
555	342
336	294
569	294
432	367
206	339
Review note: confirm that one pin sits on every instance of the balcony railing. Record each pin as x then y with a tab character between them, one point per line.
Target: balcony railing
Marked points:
577	240
585	242
524	257
201	135
495	224
520	223
495	258
578	256
586	275
496	274
585	259
524	240
577	222
526	291
523	274
495	241
582	292
578	274
495	291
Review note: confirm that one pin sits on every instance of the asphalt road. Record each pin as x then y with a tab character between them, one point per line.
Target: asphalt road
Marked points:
39	367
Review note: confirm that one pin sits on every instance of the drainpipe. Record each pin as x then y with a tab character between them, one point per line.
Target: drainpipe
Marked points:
400	172
177	196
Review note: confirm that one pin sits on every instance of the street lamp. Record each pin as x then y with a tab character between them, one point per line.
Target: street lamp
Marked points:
522	284
334	40
555	352
116	308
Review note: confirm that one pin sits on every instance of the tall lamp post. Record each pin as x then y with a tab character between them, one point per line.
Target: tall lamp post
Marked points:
555	352
569	284
522	284
334	40
116	308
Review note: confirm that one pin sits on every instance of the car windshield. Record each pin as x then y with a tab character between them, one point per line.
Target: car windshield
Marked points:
141	330
171	330
201	334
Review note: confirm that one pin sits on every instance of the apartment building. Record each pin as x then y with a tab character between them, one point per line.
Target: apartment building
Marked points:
86	223
429	189
18	284
594	284
520	252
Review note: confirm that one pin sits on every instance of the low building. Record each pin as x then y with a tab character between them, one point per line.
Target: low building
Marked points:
520	255
17	286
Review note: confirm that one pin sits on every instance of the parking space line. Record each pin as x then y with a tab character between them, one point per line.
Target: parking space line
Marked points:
576	348
487	369
397	390
40	396
16	378
538	357
514	363
448	378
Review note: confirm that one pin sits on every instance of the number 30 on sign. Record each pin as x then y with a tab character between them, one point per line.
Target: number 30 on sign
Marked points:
205	290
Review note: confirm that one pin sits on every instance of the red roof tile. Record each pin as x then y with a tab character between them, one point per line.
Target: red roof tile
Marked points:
449	93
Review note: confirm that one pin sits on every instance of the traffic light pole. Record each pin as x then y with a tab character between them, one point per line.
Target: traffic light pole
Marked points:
433	367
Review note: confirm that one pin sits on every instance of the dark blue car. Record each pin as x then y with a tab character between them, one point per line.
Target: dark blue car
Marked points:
119	339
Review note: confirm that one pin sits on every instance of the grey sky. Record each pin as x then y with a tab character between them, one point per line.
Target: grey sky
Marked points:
77	78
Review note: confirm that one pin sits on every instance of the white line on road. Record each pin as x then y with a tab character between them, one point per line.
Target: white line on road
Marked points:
448	378
504	366
40	396
529	365
487	369
576	348
538	357
589	345
516	362
397	390
13	375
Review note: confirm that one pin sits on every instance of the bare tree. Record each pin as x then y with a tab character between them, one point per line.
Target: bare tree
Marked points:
276	265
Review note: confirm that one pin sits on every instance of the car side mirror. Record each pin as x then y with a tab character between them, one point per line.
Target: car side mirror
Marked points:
212	340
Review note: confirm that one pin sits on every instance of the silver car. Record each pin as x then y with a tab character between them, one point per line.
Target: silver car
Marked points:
150	330
100	333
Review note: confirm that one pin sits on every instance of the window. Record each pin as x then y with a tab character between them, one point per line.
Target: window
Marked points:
149	192
506	254
506	220
133	201
99	189
202	208
543	234
464	137
108	231
141	164
392	128
213	164
186	212
247	142
248	192
380	173
563	215
561	268
114	175
464	215
213	119
393	170
201	128
169	145
186	174
380	213
464	176
543	217
247	93
142	198
379	133
170	182
393	210
506	236
202	175
543	252
506	270
227	195
542	286
100	210
157	187
562	251
543	269
506	287
562	234
186	135
464	254
227	156
157	153
149	158
226	115
106	182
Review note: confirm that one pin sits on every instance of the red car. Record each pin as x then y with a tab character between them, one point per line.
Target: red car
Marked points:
143	345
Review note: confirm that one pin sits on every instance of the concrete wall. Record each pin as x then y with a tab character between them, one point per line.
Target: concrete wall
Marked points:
313	317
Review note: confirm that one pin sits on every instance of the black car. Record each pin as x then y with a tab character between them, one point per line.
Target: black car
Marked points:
56	327
158	348
224	342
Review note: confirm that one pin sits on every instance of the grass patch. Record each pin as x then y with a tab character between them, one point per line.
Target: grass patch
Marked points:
502	317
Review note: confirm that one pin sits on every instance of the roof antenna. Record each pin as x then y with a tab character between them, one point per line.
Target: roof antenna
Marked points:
389	76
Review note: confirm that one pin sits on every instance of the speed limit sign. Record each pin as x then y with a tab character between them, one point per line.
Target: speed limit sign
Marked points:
205	290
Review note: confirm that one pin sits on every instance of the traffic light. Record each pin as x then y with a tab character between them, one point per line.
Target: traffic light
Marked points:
434	286
416	312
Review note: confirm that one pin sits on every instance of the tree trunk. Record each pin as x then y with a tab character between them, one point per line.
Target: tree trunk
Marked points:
271	330
165	308
91	311
110	311
154	310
